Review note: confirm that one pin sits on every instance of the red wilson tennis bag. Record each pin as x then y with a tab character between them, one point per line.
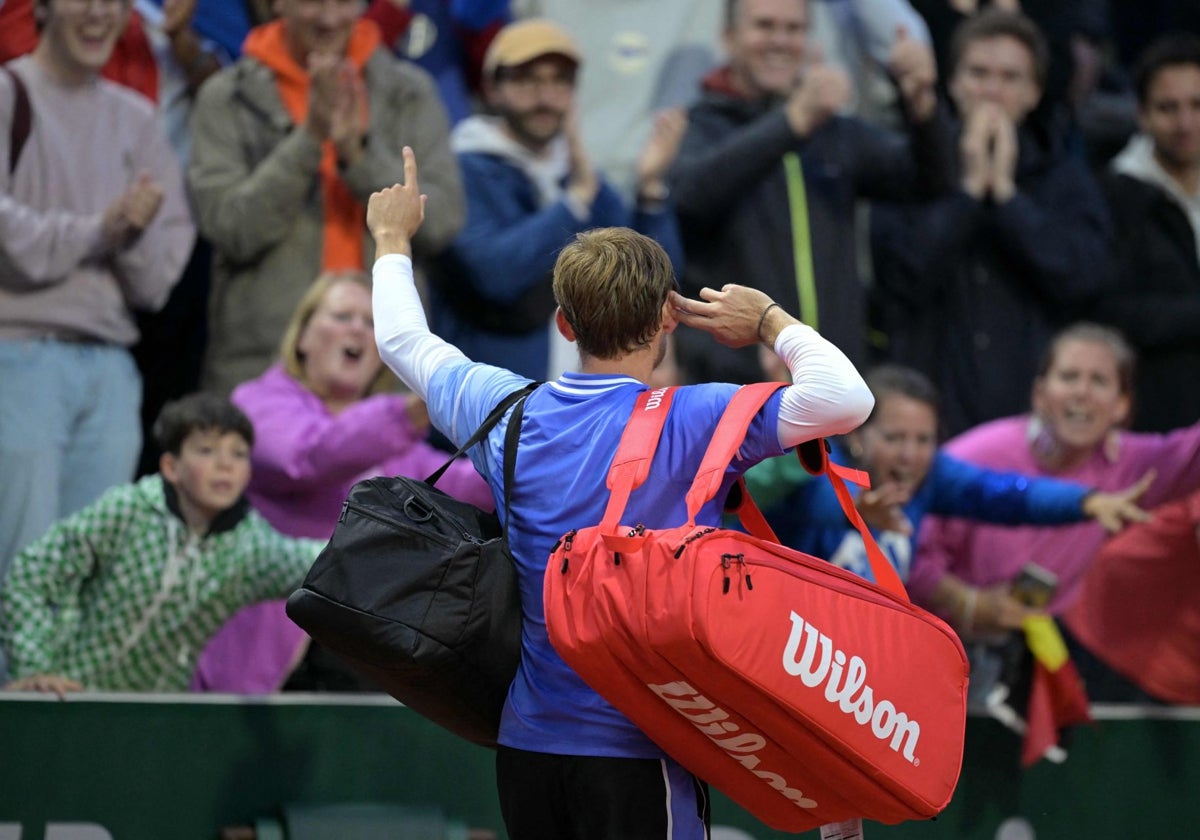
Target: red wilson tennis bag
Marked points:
803	692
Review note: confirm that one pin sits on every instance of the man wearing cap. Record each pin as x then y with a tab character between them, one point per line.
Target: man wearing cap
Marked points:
530	187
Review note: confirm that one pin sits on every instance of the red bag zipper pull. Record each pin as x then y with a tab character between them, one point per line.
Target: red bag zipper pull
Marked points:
725	558
741	558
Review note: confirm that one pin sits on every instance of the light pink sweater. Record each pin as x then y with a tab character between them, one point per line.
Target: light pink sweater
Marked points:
86	146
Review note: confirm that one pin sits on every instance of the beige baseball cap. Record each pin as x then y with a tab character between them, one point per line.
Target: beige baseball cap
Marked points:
526	40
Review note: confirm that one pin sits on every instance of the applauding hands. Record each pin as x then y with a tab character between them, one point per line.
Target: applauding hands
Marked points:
989	154
337	105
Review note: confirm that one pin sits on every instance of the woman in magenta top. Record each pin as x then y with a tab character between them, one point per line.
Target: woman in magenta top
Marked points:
324	417
1082	397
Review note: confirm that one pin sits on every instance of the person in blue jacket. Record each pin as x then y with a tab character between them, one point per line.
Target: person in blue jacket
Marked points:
910	477
530	188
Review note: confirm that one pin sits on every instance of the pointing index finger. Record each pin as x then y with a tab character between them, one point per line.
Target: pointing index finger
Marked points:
410	168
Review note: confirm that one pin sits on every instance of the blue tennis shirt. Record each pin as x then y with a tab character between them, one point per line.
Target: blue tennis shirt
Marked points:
569	435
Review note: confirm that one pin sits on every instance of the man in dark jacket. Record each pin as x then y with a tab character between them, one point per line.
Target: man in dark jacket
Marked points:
973	284
1153	191
768	175
530	188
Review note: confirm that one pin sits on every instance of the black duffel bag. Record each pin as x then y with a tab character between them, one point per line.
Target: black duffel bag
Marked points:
418	593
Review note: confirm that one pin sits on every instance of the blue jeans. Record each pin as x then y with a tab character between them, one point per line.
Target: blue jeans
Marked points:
69	430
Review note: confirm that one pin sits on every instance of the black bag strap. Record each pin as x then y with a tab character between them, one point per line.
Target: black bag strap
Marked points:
511	437
22	118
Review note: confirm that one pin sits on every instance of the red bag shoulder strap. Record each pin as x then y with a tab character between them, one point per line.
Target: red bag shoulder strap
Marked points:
838	475
639	441
730	433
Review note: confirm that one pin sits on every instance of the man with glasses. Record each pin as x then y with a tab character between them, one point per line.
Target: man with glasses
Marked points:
530	187
94	224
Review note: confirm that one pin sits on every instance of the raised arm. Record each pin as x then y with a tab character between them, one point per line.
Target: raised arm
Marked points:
827	396
405	343
277	564
878	23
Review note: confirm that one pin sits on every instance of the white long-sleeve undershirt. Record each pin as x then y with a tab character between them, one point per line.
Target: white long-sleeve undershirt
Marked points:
827	397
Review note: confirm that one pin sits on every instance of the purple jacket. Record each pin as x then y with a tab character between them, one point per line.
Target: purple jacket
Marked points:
305	460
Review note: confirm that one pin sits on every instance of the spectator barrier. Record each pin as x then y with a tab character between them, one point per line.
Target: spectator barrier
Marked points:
148	767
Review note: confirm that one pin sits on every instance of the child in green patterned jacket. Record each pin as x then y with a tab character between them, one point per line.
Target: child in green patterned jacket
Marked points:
122	595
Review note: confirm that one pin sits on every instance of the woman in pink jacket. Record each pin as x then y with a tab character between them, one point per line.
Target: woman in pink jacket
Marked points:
1082	397
325	416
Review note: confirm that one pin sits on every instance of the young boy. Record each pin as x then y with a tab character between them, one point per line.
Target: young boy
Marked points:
122	595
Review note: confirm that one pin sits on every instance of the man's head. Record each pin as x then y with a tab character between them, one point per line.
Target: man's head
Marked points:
318	26
529	80
765	41
1167	80
77	36
1000	57
611	286
206	443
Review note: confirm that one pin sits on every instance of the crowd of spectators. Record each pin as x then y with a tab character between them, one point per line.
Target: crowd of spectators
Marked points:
955	189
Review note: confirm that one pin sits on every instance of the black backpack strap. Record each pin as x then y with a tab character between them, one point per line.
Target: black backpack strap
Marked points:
484	428
512	436
22	118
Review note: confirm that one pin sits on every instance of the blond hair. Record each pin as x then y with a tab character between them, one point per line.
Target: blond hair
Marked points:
289	347
611	284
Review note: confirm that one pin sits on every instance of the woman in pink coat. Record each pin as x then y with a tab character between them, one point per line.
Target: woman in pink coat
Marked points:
1081	400
324	417
1082	397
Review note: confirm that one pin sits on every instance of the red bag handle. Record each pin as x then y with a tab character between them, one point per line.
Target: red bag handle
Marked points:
730	433
635	452
726	439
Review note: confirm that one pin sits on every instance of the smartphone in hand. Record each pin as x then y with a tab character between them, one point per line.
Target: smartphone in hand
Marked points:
1034	586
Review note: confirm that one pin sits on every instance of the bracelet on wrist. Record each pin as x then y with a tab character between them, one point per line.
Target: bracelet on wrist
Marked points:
763	318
